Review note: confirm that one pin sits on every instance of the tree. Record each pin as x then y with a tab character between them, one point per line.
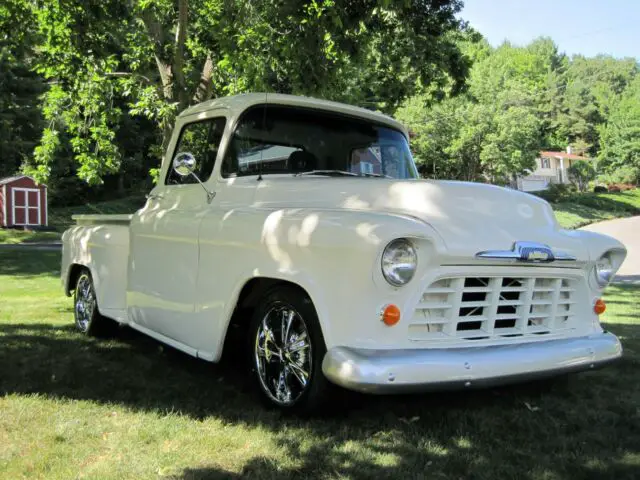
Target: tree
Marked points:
494	132
467	140
108	60
620	136
592	86
583	172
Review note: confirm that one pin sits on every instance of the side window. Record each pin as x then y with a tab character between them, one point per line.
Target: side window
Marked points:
247	157
201	139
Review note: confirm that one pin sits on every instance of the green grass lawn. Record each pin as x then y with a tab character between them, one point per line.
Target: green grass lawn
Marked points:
581	209
74	407
12	236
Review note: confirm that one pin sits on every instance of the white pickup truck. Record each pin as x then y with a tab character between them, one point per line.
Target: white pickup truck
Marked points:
304	224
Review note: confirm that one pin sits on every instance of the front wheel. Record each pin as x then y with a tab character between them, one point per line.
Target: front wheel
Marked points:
286	350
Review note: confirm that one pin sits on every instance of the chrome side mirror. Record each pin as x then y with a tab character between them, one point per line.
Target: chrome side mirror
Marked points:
184	164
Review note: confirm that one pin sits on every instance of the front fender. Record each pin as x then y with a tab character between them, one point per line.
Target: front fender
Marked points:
334	255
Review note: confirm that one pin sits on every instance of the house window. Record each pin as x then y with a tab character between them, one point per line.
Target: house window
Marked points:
545	163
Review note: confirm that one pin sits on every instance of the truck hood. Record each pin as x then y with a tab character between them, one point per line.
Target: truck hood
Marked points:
469	217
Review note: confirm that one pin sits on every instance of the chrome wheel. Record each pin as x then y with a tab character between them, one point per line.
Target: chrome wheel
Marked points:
282	355
85	302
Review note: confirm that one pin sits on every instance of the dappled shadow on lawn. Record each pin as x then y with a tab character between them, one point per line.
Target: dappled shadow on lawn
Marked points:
569	428
22	261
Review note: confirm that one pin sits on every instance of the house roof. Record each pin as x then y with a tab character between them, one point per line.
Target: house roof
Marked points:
570	156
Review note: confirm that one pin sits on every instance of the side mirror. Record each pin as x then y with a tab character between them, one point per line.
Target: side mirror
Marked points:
184	164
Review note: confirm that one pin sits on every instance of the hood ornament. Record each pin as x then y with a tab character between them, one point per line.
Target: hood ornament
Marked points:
527	252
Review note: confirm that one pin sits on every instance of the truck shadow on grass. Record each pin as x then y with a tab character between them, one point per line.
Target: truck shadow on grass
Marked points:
580	427
26	262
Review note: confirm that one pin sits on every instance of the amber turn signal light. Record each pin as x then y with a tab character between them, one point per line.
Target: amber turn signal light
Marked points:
599	307
390	315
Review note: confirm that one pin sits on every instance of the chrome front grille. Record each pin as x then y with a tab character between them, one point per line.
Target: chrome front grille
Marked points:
473	308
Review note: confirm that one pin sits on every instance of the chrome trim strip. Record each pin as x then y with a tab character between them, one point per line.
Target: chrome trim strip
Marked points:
409	370
527	252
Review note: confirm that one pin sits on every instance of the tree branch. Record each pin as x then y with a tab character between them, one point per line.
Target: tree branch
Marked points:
128	74
154	28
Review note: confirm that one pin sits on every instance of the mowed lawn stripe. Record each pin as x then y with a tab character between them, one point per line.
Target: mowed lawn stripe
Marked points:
127	407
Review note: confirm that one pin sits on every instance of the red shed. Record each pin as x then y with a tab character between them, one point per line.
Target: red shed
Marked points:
22	202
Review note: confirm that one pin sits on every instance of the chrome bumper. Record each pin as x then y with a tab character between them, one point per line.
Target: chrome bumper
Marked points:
392	371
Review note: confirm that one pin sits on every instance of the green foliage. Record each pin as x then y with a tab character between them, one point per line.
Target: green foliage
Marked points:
557	192
626	174
621	133
592	86
20	117
582	172
521	100
494	132
111	61
89	89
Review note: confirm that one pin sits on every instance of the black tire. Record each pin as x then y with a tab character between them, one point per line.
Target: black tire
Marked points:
85	308
291	361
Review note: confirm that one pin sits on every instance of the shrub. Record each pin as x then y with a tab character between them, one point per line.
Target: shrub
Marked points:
582	171
600	189
556	192
621	187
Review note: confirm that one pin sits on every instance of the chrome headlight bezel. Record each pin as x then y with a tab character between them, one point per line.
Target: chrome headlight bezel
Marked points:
603	270
607	265
399	262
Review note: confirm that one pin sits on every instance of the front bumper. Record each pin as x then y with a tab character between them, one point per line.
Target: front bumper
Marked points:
393	371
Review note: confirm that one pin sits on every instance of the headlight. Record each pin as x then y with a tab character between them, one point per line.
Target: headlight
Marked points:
604	270
607	266
399	262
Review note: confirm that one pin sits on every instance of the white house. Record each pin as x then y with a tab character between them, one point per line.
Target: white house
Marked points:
551	167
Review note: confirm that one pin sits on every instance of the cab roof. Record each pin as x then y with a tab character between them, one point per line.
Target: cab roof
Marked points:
239	103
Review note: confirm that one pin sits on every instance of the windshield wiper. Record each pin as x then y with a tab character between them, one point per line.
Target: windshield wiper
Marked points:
329	173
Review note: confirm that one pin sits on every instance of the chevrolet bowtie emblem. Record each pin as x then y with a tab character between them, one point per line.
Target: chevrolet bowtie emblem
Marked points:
527	252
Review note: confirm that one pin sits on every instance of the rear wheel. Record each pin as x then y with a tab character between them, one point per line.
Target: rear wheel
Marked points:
87	317
286	350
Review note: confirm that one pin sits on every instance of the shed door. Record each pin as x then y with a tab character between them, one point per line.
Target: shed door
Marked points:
26	206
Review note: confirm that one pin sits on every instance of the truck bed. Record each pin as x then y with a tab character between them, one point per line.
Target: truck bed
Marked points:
116	219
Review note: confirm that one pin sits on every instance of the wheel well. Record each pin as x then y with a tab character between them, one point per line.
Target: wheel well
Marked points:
72	276
250	295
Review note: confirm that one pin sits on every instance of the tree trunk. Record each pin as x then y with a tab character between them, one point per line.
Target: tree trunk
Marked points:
180	90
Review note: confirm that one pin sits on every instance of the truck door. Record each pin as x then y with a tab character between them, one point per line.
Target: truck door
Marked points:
163	263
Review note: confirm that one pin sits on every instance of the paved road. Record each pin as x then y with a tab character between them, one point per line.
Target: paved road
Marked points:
627	230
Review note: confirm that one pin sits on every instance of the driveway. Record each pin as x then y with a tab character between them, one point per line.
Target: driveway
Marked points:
626	230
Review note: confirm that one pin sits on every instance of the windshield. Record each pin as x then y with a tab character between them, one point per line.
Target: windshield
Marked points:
279	139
